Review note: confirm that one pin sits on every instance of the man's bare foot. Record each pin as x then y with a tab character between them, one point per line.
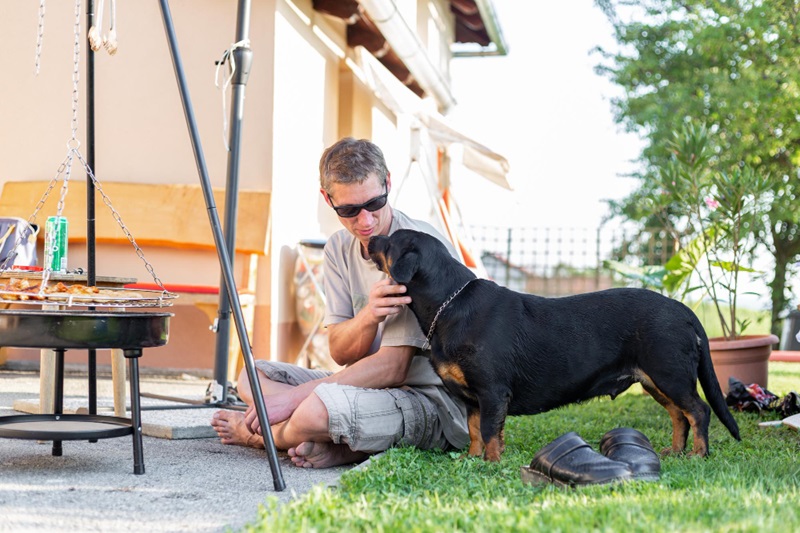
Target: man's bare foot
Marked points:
231	429
324	455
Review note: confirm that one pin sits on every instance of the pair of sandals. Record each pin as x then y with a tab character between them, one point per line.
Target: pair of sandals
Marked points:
625	454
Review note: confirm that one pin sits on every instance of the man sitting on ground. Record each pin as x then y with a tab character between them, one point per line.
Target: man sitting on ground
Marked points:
387	394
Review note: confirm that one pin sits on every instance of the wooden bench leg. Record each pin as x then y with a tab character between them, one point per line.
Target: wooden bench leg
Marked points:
118	381
47	375
235	355
47	381
235	352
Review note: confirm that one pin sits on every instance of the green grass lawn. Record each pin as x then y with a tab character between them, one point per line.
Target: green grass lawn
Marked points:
752	485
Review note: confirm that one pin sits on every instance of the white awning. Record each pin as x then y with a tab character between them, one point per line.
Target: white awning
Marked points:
476	157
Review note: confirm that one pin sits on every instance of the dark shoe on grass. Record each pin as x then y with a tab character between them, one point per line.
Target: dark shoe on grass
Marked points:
633	448
569	461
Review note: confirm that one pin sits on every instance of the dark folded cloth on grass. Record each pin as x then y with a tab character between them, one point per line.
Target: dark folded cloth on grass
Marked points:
755	398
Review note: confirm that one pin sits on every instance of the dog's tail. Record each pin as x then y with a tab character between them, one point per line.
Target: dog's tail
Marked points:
710	384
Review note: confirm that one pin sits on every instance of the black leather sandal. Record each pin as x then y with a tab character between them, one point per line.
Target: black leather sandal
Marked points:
633	448
569	461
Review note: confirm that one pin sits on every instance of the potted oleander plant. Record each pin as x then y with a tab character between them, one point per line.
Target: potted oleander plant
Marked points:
714	214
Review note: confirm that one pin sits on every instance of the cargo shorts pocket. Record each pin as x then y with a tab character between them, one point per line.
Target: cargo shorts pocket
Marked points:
419	417
367	420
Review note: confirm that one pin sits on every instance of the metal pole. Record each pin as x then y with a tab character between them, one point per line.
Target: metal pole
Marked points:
242	59
90	155
222	250
91	251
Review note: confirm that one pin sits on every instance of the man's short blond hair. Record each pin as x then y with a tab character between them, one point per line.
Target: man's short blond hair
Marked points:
350	161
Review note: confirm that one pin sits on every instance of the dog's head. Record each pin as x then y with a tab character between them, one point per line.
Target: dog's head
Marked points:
401	254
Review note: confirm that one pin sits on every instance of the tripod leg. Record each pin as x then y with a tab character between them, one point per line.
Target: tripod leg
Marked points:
222	250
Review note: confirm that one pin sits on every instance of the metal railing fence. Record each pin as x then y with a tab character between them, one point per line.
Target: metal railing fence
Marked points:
556	261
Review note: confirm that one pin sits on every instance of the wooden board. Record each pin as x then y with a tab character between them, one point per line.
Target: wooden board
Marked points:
792	421
102	281
173	215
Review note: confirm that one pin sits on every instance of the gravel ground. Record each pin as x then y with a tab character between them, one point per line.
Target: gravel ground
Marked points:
190	484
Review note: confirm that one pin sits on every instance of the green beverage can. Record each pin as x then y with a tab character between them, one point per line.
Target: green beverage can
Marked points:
55	244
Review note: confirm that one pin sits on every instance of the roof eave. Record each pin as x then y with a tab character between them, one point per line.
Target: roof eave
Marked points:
498	46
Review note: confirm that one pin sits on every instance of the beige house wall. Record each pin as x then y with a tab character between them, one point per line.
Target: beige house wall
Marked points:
304	92
141	133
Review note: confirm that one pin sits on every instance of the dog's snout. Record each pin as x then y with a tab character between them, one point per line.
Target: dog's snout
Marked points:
373	243
377	246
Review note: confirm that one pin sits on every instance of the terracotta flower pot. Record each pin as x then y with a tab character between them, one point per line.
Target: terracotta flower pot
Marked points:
746	359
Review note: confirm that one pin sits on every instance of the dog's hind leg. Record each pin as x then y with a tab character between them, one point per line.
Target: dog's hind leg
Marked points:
493	417
698	413
686	410
680	425
474	425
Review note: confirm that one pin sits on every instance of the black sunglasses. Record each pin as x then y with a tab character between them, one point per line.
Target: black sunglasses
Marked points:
350	211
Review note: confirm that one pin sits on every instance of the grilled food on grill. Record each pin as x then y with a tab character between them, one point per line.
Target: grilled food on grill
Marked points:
60	288
21	289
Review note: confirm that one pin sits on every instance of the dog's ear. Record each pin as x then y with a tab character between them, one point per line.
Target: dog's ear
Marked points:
404	268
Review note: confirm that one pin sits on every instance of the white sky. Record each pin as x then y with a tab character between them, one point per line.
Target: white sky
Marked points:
543	107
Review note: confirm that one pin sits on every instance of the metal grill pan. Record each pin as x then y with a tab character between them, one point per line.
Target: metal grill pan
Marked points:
65	329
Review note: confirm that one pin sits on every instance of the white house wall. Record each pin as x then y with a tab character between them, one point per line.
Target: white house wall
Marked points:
302	78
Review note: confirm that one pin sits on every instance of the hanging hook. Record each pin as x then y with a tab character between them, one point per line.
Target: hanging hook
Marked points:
95	39
110	42
227	57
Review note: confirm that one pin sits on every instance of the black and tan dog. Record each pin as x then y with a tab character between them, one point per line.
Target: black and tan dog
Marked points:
508	353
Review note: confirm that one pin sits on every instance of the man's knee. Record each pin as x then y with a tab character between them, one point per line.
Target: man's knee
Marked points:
243	379
244	389
311	416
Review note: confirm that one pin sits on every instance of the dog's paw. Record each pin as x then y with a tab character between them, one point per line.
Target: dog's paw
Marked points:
669	452
475	449
699	454
465	456
494	449
700	449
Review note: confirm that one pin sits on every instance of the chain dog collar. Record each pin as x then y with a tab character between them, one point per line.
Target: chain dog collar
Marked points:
441	308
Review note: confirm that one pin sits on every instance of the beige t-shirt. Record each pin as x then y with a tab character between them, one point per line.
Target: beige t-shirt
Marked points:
348	278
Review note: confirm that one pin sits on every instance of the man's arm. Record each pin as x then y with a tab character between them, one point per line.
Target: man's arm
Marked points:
349	341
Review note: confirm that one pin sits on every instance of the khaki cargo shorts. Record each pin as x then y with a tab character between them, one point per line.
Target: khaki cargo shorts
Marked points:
367	420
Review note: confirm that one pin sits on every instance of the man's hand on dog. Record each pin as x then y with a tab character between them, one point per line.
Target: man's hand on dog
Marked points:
386	299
